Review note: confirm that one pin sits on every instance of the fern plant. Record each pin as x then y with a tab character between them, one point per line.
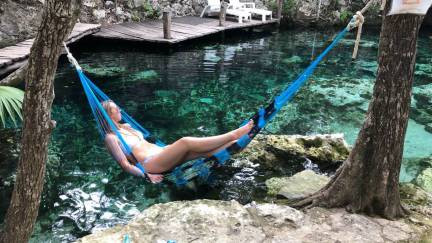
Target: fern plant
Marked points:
11	100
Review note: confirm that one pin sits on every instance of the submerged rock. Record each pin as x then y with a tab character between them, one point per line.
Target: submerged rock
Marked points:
104	71
297	186
413	195
292	60
229	221
274	152
428	127
422	101
424	180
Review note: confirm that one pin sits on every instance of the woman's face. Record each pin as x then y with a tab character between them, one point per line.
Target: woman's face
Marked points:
115	112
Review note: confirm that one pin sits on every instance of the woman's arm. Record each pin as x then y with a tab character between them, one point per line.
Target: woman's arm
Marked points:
116	152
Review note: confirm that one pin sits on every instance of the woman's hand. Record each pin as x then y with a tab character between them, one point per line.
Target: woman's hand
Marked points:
155	178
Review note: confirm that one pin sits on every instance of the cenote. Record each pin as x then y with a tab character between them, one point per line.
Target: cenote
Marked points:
205	89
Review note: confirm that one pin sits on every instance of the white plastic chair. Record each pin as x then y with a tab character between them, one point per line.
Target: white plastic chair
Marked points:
250	7
213	7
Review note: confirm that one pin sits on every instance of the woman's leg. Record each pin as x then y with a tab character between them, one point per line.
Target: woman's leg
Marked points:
195	155
205	144
177	152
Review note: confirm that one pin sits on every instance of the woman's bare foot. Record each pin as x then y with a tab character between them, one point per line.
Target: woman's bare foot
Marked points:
155	178
239	132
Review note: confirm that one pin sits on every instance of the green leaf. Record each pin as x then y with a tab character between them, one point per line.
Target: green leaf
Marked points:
2	115
11	100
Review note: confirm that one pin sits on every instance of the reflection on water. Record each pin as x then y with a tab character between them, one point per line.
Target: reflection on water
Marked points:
204	90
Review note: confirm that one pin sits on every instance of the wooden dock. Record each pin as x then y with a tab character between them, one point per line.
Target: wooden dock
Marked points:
13	57
182	29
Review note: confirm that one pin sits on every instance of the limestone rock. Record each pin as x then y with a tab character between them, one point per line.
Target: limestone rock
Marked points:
297	186
424	180
89	3
109	4
275	152
228	221
422	102
99	14
413	194
306	12
200	221
18	21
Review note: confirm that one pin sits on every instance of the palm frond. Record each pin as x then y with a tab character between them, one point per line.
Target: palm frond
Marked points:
11	100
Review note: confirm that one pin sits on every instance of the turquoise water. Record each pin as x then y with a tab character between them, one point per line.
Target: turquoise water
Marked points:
200	90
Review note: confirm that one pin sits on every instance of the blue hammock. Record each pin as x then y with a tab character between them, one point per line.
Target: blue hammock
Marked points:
200	167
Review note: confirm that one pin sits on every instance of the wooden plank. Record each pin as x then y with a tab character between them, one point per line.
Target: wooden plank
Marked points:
116	34
5	61
144	32
179	32
194	29
13	57
15	49
208	27
210	24
159	30
104	33
128	31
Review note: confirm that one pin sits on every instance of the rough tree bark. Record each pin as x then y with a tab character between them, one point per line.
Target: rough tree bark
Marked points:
368	181
58	19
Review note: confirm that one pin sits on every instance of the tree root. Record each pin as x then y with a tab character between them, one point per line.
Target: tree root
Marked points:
314	200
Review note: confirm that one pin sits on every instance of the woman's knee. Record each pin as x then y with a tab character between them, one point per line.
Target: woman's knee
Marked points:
186	141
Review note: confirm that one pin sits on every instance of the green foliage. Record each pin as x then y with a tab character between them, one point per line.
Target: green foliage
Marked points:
288	7
135	18
149	11
345	15
11	100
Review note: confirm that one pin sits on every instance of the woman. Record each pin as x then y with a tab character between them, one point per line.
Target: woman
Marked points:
155	159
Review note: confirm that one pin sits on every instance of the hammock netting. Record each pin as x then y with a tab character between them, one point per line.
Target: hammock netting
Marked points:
181	174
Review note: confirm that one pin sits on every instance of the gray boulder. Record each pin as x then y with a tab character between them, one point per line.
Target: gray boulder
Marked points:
18	21
274	152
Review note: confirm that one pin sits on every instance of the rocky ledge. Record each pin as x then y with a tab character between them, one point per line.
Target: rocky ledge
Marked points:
229	221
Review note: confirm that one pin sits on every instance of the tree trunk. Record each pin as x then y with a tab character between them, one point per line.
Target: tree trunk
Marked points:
369	180
58	19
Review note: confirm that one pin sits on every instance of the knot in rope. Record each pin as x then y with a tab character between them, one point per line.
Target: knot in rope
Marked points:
359	18
356	21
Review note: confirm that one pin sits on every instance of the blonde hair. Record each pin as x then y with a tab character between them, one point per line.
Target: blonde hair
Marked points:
107	105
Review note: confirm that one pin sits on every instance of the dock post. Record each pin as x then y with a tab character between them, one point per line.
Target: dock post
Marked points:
166	16
222	13
279	10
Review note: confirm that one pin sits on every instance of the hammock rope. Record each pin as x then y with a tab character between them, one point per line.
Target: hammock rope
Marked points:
181	174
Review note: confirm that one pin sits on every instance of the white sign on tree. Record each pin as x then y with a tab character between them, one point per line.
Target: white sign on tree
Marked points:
410	7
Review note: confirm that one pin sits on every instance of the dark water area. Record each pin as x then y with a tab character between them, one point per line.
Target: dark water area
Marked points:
204	88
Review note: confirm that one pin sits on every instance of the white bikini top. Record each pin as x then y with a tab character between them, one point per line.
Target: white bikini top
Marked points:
131	139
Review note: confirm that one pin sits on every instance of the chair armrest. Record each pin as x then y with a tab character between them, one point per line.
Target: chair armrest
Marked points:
249	5
236	6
